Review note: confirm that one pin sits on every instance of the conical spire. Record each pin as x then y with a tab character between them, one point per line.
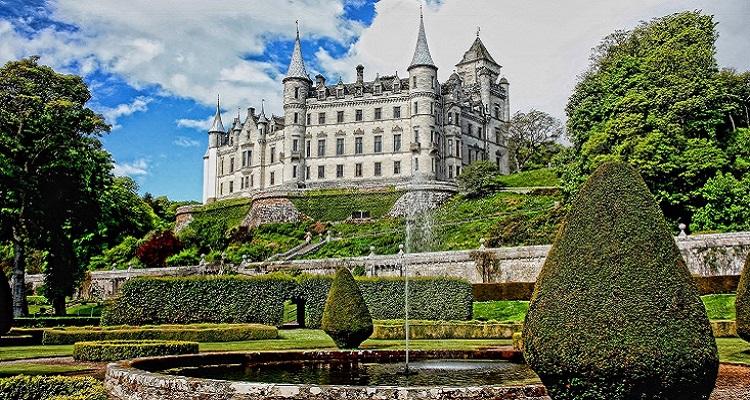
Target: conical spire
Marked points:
422	51
217	126
262	118
297	65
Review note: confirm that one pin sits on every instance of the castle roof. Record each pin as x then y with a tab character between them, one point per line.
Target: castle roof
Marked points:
297	65
422	55
217	125
262	119
477	51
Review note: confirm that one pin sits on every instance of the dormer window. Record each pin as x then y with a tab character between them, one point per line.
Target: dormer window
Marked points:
358	91
321	94
397	86
378	88
340	93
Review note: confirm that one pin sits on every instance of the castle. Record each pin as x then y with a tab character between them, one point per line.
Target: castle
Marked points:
387	132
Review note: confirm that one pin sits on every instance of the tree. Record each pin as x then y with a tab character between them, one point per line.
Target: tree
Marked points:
346	318
615	313
530	134
157	248
52	172
479	178
654	97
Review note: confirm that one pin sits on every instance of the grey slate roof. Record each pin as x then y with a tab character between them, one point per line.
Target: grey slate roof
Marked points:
297	65
477	51
217	125
422	51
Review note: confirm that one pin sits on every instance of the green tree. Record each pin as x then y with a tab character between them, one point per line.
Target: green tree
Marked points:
346	318
531	134
615	313
52	172
725	207
654	97
479	178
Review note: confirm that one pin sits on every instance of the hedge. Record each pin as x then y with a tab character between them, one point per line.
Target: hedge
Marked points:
48	322
193	333
113	350
185	300
421	329
23	387
430	298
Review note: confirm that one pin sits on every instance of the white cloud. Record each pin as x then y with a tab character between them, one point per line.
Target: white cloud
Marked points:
139	104
183	141
139	167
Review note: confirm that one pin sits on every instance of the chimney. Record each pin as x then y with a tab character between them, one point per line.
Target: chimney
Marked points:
360	73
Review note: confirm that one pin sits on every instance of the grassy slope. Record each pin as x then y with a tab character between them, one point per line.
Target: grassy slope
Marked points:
538	177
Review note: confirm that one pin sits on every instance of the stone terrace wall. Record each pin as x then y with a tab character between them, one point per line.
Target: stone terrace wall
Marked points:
706	255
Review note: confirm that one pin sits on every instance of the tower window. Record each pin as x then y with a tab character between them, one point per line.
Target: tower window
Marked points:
307	148
414	82
397	112
378	113
273	154
296	118
273	180
358	115
322	118
416	107
309	119
339	116
294	171
296	93
295	144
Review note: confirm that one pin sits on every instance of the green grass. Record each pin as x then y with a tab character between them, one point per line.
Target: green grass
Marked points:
733	350
38	369
26	352
719	306
537	177
503	311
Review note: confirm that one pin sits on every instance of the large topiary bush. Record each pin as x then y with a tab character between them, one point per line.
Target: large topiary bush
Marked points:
346	318
742	303
615	313
6	305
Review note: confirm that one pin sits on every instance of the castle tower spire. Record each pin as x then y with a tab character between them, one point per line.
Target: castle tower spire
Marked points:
262	119
217	125
422	50
297	65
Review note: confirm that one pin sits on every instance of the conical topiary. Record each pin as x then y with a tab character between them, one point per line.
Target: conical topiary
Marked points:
742	302
6	306
615	313
346	318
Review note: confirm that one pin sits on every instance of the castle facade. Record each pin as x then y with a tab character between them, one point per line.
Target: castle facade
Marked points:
390	131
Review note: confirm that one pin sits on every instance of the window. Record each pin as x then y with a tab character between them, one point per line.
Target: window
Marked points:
231	164
378	144
273	176
295	144
358	115
321	147
339	146
307	172
416	108
358	145
397	112
416	136
309	119
296	94
244	158
397	142
498	135
321	171
340	92
231	186
450	172
471	130
307	148
378	113
432	81
450	147
296	118
497	111
396	167
221	188
273	154
458	170
458	150
340	171
432	108
358	169
322	118
247	181
414	82
378	169
294	171
479	132
321	94
416	164
339	116
252	180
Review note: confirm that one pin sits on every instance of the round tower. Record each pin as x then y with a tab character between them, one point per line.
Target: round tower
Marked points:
297	84
210	159
423	89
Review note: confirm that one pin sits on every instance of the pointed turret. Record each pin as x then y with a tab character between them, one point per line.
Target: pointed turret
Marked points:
217	125
297	65
422	55
262	118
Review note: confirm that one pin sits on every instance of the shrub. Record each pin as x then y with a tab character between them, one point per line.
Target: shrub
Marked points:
6	305
113	350
615	313
479	178
742	303
192	333
346	318
431	298
48	322
195	299
187	256
420	329
22	387
157	248
314	290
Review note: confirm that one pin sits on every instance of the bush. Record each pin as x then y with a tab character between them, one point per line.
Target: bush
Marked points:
22	387
430	298
195	299
615	312
479	179
113	350
48	322
157	248
396	329
742	303
346	318
185	257
193	333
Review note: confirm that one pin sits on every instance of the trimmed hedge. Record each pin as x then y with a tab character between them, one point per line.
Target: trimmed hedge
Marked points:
742	303
395	329
615	312
23	387
502	291
346	318
185	300
314	290
113	350
193	333
430	298
48	322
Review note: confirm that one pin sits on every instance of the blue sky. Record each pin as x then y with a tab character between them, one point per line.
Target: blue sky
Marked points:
155	67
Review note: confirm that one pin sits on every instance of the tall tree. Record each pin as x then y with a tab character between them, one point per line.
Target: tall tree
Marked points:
655	98
52	171
530	134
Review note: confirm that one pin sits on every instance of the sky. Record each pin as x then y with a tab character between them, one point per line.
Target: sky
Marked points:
155	68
